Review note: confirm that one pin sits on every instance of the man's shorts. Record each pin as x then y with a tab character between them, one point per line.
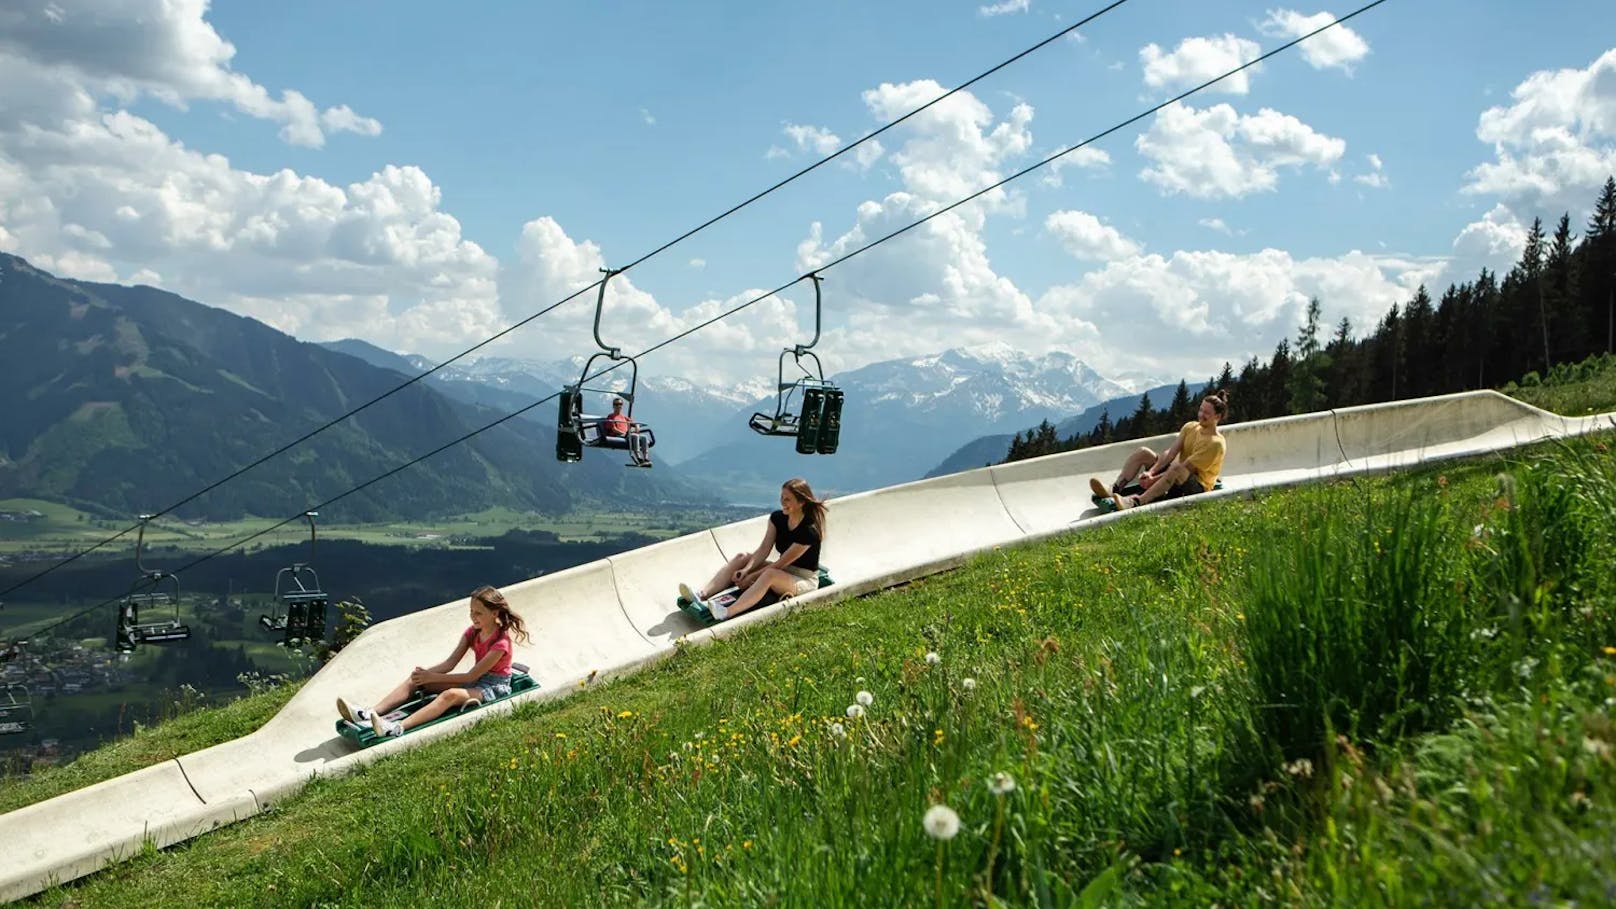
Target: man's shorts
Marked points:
1189	487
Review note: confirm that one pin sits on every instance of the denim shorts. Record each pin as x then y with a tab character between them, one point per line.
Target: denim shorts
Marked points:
492	687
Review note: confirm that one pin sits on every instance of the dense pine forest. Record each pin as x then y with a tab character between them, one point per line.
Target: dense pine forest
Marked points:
1555	309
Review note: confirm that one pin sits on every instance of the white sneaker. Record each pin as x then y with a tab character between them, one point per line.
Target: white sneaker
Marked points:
719	610
384	727
688	594
356	716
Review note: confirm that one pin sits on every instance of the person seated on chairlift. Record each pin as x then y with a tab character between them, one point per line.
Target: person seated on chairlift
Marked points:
796	532
1189	466
619	426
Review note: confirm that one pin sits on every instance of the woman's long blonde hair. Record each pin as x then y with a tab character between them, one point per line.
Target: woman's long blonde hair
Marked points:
509	621
812	507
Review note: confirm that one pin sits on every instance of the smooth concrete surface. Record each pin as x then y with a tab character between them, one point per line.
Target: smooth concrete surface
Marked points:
615	615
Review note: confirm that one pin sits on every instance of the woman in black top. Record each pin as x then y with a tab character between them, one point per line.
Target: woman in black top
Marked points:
795	532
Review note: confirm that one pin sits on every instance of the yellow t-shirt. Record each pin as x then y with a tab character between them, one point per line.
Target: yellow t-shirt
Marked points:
1202	451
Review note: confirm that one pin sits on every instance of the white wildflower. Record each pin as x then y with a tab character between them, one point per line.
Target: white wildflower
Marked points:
865	698
1525	666
837	731
968	684
1001	783
1302	767
854	711
941	822
932	659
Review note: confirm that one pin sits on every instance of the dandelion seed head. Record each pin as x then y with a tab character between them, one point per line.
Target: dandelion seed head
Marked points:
941	822
854	711
932	659
968	684
865	698
1001	783
837	730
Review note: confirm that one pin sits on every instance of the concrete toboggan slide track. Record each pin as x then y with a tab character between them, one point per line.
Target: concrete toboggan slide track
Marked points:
615	615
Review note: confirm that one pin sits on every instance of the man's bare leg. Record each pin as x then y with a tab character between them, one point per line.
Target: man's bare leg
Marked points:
1175	475
1137	463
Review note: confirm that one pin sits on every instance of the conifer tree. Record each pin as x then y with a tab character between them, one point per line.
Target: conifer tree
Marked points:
1531	268
1563	296
1103	429
1143	414
1306	383
1599	265
1180	411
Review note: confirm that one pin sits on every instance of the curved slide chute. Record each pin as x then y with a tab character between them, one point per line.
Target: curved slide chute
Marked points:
615	615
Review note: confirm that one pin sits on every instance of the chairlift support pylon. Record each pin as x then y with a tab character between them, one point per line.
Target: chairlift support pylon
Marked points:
155	589
817	426
300	603
575	430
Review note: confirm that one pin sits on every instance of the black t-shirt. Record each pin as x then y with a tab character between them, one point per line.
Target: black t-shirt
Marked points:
785	537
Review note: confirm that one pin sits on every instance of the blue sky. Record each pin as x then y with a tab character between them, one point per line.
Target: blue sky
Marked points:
443	172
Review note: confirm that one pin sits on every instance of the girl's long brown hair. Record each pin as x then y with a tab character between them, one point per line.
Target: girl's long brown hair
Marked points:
1220	402
509	621
812	507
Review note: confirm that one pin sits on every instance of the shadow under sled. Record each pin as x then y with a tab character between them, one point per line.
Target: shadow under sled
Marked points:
729	595
364	736
1108	504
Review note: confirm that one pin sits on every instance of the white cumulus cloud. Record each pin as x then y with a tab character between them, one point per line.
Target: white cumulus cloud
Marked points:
162	48
1219	153
1196	60
1087	237
1335	48
1006	6
1555	143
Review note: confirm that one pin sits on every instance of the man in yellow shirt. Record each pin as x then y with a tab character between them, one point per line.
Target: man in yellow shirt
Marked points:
1190	465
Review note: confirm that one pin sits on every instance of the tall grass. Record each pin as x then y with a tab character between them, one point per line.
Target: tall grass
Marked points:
1356	623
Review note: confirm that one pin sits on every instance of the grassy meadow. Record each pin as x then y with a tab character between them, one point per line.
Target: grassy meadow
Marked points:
1408	703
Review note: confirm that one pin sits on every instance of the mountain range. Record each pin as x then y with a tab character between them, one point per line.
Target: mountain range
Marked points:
900	415
127	399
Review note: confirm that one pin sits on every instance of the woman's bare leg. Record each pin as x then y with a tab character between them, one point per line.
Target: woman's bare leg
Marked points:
772	579
725	577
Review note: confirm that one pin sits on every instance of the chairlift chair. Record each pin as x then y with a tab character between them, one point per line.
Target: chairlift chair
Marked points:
576	430
298	610
155	589
817	426
16	710
300	603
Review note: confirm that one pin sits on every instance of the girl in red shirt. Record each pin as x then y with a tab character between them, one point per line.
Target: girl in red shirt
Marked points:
493	625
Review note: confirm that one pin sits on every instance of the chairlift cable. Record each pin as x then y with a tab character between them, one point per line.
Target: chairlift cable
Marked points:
738	308
570	297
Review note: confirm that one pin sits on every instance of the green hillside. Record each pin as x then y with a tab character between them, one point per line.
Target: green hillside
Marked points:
1405	704
128	399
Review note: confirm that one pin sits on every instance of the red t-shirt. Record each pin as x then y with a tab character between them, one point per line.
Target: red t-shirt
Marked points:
617	425
480	648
